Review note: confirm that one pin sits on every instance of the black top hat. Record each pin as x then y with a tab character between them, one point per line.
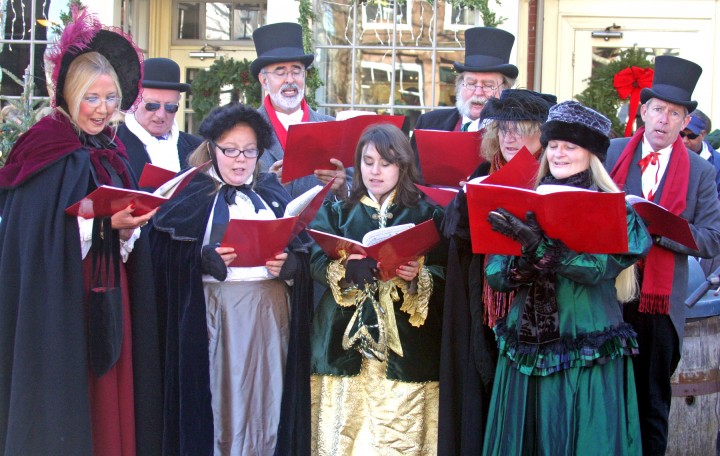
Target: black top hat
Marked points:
518	104
487	50
161	73
674	81
275	43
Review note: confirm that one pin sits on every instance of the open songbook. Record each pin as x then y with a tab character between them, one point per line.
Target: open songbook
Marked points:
154	176
448	157
391	246
585	220
661	222
311	145
257	241
106	200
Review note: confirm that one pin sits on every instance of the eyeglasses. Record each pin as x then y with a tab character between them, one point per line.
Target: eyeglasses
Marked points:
234	153
486	88
170	108
688	135
282	72
94	102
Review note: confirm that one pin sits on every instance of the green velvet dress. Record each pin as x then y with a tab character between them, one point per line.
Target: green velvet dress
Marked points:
363	404
574	395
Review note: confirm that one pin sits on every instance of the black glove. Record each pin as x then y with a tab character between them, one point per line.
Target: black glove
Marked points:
528	234
524	270
361	271
290	267
212	263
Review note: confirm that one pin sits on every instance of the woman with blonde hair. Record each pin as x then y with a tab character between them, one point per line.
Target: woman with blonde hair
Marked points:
564	370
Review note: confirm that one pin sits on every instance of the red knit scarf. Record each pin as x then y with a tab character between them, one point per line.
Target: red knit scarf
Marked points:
279	128
659	265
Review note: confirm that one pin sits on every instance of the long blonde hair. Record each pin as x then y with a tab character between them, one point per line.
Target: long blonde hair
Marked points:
626	285
81	74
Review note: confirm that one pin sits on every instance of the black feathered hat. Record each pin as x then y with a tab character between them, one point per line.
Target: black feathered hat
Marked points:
275	43
674	81
570	121
487	50
84	34
162	73
517	105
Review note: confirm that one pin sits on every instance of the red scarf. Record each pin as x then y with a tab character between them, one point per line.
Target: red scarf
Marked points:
659	265
279	128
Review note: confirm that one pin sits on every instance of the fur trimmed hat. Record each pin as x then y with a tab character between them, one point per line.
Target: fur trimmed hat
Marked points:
570	121
517	105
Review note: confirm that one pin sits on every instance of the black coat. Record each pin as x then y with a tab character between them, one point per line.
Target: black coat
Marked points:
138	156
44	401
176	238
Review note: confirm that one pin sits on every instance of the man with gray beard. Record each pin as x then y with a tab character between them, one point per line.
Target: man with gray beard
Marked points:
484	75
281	66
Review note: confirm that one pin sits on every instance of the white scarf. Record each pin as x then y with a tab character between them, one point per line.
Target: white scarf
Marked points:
162	152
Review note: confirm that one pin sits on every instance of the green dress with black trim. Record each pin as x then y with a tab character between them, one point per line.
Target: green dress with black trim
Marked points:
573	395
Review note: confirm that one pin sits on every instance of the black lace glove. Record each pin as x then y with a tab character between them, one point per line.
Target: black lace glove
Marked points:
290	267
212	263
524	270
555	253
528	234
360	272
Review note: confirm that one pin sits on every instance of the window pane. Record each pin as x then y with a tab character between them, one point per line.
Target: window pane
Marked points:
336	22
188	21
217	21
246	19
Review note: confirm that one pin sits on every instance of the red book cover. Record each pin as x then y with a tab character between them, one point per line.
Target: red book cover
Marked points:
154	176
311	145
257	241
441	195
586	221
448	157
106	200
519	172
390	252
308	210
661	222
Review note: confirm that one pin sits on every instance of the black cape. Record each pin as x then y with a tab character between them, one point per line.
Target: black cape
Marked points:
44	403
176	238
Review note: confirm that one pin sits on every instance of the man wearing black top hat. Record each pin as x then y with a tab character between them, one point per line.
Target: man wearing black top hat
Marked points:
656	165
281	66
484	75
150	133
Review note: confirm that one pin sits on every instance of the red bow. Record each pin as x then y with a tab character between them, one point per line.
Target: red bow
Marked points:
628	83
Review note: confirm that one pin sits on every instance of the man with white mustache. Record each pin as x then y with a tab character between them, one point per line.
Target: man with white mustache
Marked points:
281	67
484	75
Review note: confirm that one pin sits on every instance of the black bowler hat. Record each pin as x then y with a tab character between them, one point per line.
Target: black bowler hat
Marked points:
516	105
487	50
275	43
161	73
674	81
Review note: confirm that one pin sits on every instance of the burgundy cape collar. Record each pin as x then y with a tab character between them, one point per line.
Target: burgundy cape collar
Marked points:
50	139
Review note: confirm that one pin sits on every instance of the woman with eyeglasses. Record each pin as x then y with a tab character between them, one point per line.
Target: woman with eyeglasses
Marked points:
79	342
237	363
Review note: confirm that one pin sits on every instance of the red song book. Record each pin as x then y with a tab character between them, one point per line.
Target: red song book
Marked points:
441	195
586	221
311	145
154	176
448	157
257	241
391	246
519	172
107	200
661	222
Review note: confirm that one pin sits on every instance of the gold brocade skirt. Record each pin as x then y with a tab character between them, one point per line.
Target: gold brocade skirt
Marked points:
369	414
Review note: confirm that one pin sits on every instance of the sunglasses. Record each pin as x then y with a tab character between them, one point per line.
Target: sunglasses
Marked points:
169	107
688	135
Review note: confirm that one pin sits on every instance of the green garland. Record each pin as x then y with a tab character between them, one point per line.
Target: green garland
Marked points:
207	85
600	93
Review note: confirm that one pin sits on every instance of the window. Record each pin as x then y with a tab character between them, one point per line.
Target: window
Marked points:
204	21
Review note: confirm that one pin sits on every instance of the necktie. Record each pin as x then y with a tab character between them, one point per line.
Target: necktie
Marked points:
465	126
254	198
653	158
